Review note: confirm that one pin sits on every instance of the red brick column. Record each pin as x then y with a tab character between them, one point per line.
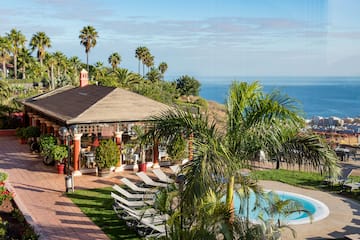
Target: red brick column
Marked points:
156	154
30	119
118	139
77	143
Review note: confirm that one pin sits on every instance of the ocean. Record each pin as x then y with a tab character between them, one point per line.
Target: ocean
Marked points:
317	96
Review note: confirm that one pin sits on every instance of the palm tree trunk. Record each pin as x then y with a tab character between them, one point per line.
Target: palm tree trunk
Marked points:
4	69
230	199
277	163
15	66
87	61
139	67
52	77
143	69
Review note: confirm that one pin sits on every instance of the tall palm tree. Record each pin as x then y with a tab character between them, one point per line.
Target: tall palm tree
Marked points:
50	61
60	59
24	60
148	61
140	54
4	54
258	121
162	68
88	36
40	41
114	60
76	66
100	70
17	40
255	121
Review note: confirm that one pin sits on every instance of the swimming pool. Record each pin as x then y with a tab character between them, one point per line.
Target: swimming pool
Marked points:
318	209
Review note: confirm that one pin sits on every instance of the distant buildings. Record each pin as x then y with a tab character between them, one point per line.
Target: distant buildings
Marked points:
337	131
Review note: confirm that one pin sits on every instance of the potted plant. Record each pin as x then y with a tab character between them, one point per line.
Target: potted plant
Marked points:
47	143
20	133
32	134
107	154
59	153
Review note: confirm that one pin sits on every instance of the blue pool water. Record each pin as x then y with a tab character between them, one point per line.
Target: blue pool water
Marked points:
254	214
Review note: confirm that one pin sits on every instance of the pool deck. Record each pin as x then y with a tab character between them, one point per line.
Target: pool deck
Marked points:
40	196
343	220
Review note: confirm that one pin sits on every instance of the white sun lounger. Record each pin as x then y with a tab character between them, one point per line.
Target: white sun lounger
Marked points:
132	195
131	203
123	211
154	218
135	188
156	231
162	176
175	168
148	181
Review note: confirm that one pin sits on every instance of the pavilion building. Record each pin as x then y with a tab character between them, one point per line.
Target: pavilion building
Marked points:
92	110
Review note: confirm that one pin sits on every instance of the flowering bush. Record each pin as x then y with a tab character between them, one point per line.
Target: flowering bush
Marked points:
4	193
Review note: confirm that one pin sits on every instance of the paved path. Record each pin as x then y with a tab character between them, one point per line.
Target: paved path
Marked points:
40	196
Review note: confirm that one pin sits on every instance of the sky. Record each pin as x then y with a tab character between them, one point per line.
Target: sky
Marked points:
203	37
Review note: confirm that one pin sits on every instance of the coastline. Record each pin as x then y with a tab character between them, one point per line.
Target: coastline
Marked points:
315	96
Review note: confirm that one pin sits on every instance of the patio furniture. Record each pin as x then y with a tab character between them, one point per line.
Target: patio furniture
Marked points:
148	181
342	179
129	195
162	176
351	186
137	203
136	188
149	230
175	168
123	211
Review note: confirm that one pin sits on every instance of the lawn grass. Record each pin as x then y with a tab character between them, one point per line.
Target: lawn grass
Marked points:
309	180
97	205
296	178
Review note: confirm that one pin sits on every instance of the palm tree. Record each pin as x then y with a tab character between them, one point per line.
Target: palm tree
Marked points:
4	90
277	211
128	79
100	71
255	121
60	59
88	37
154	75
25	60
50	61
148	60
140	54
4	54
258	121
40	41
76	66
162	68
114	60
17	40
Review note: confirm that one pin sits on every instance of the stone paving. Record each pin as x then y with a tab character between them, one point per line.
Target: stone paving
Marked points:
40	196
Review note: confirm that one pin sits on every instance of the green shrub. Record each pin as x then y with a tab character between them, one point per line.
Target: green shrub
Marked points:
107	154
20	132
32	132
47	143
59	153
